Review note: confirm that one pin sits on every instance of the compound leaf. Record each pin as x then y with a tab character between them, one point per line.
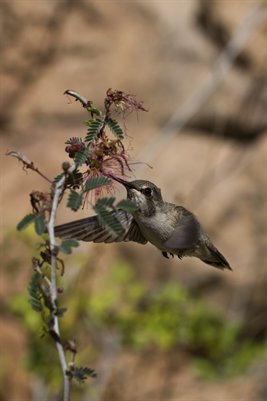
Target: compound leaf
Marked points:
115	128
103	203
96	182
94	127
74	201
35	293
127	205
109	221
67	244
28	219
82	373
39	224
81	156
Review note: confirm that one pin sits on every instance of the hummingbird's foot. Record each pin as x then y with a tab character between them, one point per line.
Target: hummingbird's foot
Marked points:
166	254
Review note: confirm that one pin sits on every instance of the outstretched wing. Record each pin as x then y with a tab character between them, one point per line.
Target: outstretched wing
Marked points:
187	232
89	229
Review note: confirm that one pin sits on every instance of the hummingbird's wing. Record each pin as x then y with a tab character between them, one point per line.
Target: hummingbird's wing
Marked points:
187	232
89	229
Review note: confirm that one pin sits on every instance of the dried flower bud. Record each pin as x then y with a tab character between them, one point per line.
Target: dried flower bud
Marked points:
65	166
74	146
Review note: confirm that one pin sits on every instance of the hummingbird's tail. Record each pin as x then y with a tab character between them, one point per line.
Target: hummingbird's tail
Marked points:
214	258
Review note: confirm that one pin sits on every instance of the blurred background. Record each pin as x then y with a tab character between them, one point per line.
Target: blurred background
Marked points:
152	328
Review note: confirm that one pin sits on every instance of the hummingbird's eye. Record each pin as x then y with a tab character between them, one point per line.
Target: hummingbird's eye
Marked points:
147	191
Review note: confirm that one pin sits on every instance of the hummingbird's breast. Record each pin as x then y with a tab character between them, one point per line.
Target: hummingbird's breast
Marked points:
156	228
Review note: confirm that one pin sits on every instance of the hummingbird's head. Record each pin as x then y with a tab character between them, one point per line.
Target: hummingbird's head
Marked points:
145	194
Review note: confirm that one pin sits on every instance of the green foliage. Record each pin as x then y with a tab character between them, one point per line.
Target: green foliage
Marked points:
109	221
58	177
39	299
73	139
93	110
61	311
74	180
28	219
96	182
127	205
35	293
67	245
105	202
81	157
82	373
107	218
170	317
40	356
38	220
115	128
39	225
94	128
74	200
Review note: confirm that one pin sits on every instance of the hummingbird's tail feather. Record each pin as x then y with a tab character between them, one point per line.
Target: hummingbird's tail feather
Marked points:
214	258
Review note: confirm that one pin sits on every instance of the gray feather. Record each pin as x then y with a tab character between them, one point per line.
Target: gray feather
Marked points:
89	229
213	257
186	234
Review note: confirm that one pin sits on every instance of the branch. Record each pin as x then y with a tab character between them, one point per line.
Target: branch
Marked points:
58	190
27	163
85	103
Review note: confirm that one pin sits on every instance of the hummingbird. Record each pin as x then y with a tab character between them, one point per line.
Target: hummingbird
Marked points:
172	229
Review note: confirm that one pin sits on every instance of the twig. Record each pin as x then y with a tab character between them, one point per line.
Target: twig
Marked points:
59	187
27	163
193	104
85	103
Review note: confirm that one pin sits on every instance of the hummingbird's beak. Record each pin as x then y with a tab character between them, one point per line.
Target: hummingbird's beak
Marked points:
126	184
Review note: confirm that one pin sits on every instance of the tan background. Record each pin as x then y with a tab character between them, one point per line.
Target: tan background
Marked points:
163	52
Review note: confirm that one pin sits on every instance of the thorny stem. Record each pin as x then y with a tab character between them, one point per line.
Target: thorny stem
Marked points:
59	188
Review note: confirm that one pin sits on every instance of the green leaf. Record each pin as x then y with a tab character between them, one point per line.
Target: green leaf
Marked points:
127	205
66	246
28	219
58	177
107	218
71	242
73	139
93	110
104	202
95	125
80	374
74	201
115	128
96	182
109	221
60	311
39	224
35	293
75	179
81	157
